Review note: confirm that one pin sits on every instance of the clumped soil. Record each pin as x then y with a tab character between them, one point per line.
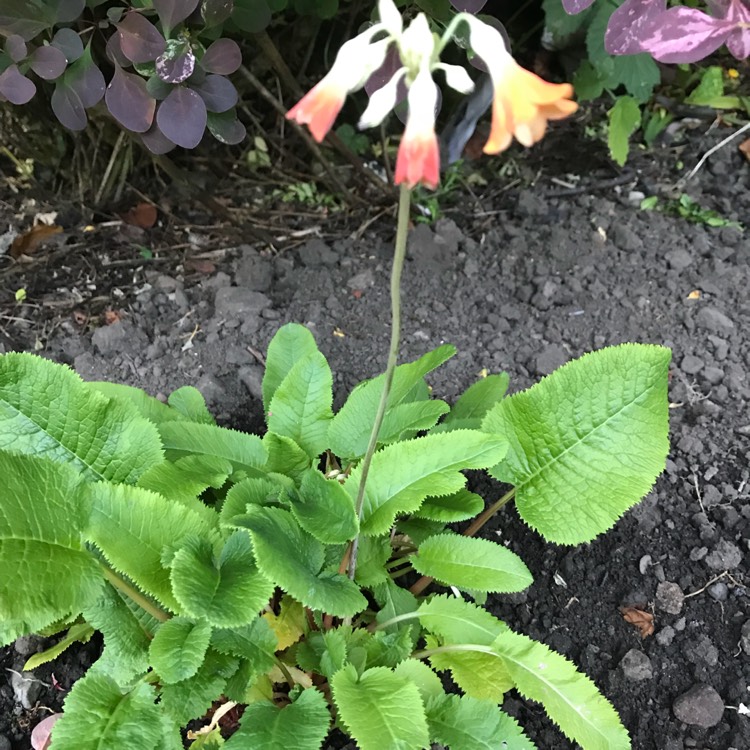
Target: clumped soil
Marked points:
520	277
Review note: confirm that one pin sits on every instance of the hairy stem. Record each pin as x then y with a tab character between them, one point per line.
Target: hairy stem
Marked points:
404	205
132	593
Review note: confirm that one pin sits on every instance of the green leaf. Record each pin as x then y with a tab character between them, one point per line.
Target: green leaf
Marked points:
189	402
255	642
147	406
406	420
47	410
290	344
132	527
211	741
587	442
47	573
372	556
178	648
285	457
301	405
227	590
404	474
393	601
570	698
480	675
474	403
98	714
460	721
451	508
458	621
349	431
249	492
471	563
293	560
380	709
245	452
325	509
624	120
302	725
639	74
79	633
428	683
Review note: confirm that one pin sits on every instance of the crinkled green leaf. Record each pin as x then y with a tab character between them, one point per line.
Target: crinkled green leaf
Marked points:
99	714
189	402
570	698
285	457
227	590
403	421
255	642
147	406
293	560
290	344
467	413
178	648
428	683
302	725
372	555
79	633
587	442
47	410
393	600
480	675
404	474
325	509
458	621
470	563
380	709
249	492
46	572
451	508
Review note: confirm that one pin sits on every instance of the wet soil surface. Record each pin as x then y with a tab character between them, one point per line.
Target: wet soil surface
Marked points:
523	282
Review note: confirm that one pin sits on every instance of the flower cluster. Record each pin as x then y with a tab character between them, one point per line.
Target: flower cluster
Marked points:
522	103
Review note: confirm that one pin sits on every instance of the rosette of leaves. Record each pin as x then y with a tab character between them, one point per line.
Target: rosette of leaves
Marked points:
215	562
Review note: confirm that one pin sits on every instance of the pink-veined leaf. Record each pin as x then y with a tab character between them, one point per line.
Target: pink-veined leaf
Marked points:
226	128
223	57
627	24
15	86
217	92
216	11
68	107
171	12
155	141
140	40
575	6
738	42
129	101
182	117
69	43
15	48
69	10
48	62
176	63
468	6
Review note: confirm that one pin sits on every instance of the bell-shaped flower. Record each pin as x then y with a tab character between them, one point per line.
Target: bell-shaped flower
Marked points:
523	102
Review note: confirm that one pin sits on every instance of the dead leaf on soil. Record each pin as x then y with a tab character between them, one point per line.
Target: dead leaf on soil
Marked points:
141	215
695	294
28	242
644	621
112	316
745	148
201	266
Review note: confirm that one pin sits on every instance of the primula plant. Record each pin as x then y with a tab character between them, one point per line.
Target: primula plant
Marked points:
262	591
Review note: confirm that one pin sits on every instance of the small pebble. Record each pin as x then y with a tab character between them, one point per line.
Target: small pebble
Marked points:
26	688
719	591
700	706
745	637
725	556
669	597
636	665
665	636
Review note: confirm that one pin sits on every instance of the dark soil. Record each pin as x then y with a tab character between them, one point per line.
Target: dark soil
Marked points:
523	279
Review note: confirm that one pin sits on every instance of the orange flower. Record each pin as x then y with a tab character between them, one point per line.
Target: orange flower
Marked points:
319	108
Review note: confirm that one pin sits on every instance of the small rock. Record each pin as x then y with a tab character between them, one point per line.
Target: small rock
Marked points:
679	260
713	375
691	365
363	280
253	271
239	302
211	389
725	556
119	337
745	637
669	597
665	636
700	706
636	665
531	204
27	645
252	378
26	688
703	651
714	320
698	553
719	591
317	253
626	239
550	359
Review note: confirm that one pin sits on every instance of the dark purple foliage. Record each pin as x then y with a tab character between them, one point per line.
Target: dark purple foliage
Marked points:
176	63
217	92
140	40
226	128
15	48
385	72
576	6
468	6
69	43
69	10
22	18
627	24
216	11
129	101
68	107
15	87
85	78
182	117
114	51
155	141
159	89
222	57
48	62
171	12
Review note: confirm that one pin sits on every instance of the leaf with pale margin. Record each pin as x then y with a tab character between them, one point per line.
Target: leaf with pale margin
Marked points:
178	648
587	442
380	709
249	492
350	429
98	713
189	402
132	527
460	721
404	474
47	572
227	590
324	509
245	452
570	698
293	560
290	344
474	403
47	410
451	508
302	725
469	563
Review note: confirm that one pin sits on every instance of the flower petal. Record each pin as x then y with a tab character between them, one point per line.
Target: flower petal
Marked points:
381	102
319	108
390	17
417	44
457	78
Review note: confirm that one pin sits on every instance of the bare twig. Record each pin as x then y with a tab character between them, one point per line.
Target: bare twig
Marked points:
713	150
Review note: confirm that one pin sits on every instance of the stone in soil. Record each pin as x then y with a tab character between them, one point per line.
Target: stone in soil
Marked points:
700	706
636	665
669	597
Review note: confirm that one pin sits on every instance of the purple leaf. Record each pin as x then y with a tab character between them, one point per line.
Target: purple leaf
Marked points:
171	12
575	6
140	40
222	57
176	63
217	92
226	128
391	64
68	107
155	141
69	43
627	24
15	87
69	10
738	42
684	35
48	62
22	18
15	47
114	51
182	117
85	78
468	6
159	89
216	11
129	101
